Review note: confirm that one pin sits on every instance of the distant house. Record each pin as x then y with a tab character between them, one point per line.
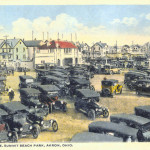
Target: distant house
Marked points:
60	53
125	49
99	49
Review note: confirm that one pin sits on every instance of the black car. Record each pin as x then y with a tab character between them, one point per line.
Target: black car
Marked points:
132	77
86	101
6	134
30	97
77	83
128	134
40	73
49	95
34	118
94	137
134	121
26	81
62	84
17	119
143	87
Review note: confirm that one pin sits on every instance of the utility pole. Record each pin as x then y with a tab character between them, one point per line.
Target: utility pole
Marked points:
32	35
62	36
71	37
6	44
47	36
58	35
43	36
76	37
116	47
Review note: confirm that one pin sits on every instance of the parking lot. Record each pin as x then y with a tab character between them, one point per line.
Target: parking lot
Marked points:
73	122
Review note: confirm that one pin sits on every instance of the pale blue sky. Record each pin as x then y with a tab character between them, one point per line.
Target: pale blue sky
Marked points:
120	19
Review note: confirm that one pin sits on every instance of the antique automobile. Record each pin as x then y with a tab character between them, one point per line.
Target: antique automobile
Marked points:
43	124
62	70
30	97
26	81
86	101
143	87
2	84
79	84
61	83
40	73
131	78
128	134
94	137
134	121
59	74
49	95
17	119
143	111
6	134
110	69
110	87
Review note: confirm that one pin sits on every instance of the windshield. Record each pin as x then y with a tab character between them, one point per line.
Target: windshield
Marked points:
20	117
52	93
29	81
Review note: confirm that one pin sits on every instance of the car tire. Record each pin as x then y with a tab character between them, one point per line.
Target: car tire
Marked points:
35	131
105	113
91	114
54	126
64	108
14	138
76	107
120	91
92	88
106	92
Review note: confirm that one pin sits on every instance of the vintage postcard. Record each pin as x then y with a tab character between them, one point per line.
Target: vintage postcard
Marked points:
74	73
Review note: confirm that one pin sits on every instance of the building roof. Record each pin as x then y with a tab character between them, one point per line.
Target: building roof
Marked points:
12	42
33	43
62	44
1	42
101	44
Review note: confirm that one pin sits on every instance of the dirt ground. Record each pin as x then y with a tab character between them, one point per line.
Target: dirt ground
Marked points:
74	122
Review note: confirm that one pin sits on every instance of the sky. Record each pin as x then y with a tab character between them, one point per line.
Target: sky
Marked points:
90	23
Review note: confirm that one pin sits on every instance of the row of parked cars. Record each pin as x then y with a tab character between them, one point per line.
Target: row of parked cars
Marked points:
72	83
122	127
17	121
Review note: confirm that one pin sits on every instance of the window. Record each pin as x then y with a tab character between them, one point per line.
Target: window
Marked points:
20	42
3	56
9	50
67	50
23	49
51	50
3	50
16	56
9	56
42	61
24	56
16	50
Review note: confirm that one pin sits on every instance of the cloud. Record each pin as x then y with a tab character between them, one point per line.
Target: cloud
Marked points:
128	21
147	16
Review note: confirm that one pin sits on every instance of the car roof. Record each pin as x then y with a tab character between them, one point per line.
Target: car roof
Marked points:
53	78
14	106
48	88
94	137
81	81
110	80
143	80
136	73
42	70
3	112
88	93
113	127
2	78
30	90
131	117
26	77
144	108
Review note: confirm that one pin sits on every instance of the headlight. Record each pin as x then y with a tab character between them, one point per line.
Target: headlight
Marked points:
42	122
42	106
30	127
96	109
35	106
62	102
53	103
21	129
9	134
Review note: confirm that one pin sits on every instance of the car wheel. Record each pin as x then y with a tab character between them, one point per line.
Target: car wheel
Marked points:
92	88
64	108
15	138
120	91
106	92
54	126
76	107
35	131
91	114
105	113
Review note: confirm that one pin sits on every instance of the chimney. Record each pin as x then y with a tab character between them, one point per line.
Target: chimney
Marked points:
14	37
35	39
22	39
